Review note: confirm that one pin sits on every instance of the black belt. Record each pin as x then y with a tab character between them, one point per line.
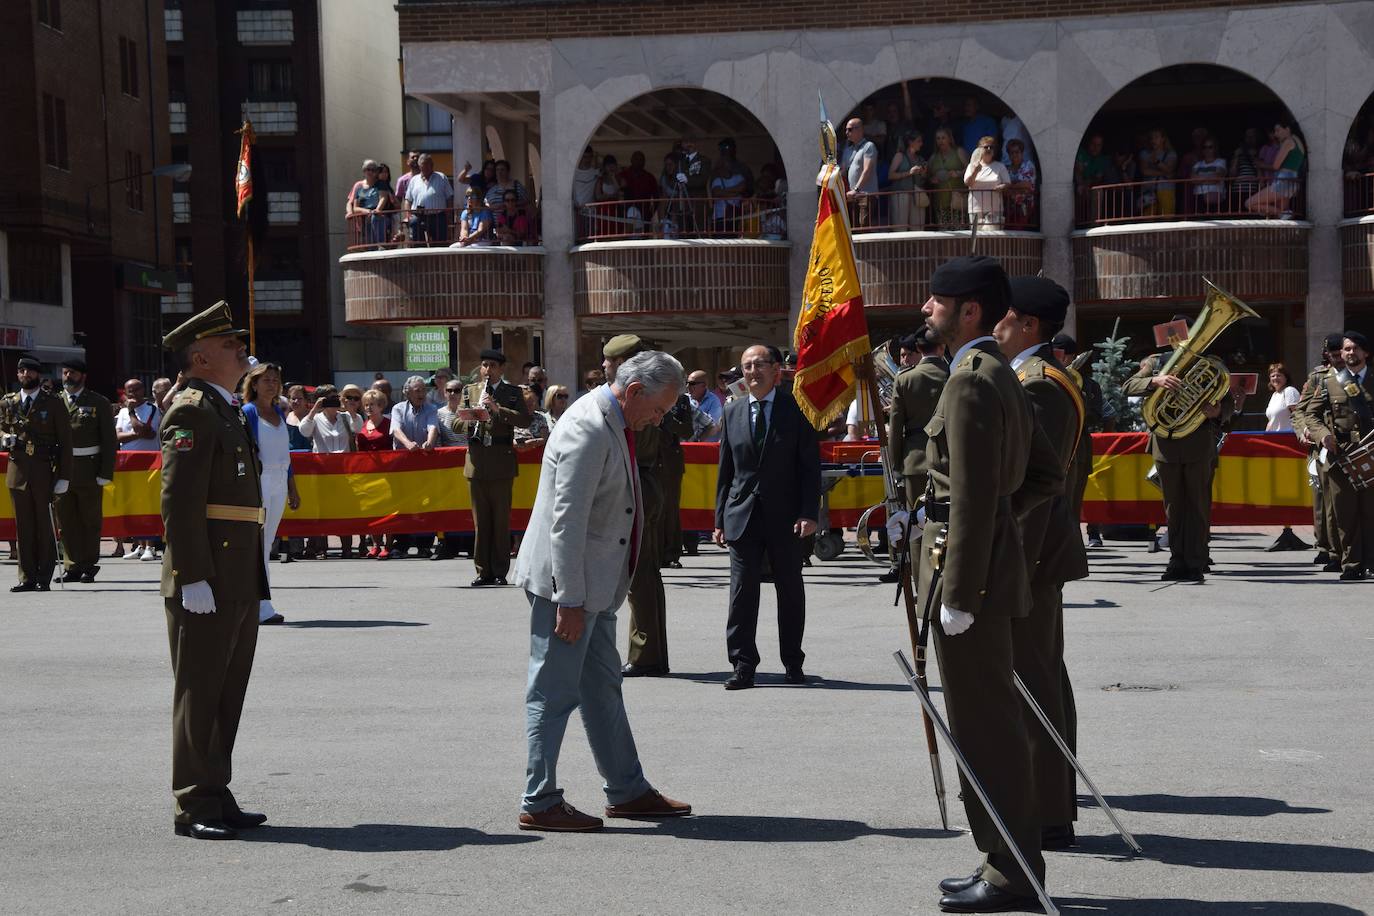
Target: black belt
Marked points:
937	511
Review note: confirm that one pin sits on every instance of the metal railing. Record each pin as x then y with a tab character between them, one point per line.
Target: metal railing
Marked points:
681	218
945	209
1359	194
435	228
1275	197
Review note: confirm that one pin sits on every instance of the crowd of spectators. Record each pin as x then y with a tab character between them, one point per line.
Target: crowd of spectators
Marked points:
1259	175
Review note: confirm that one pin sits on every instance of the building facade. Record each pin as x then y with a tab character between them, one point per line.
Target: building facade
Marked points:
85	225
1063	69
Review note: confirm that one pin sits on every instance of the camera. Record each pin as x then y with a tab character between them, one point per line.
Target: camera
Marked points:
332	400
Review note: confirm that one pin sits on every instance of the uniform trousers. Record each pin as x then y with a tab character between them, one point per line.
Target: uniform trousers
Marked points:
1038	651
988	719
670	525
212	658
33	525
79	512
648	604
582	675
1321	510
491	521
274	489
1352	534
783	549
1187	489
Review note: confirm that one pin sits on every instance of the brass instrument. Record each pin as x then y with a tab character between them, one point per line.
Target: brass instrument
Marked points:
1173	414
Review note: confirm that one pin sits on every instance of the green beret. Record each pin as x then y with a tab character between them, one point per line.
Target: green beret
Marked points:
216	321
623	346
1039	297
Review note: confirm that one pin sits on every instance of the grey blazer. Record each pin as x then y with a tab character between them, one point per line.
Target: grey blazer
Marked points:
576	550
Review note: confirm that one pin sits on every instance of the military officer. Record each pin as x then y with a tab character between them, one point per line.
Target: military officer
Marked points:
1186	465
1337	414
491	465
988	464
80	509
213	576
915	393
1053	545
1323	515
38	435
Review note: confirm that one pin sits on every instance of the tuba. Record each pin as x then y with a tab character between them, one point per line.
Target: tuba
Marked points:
1175	414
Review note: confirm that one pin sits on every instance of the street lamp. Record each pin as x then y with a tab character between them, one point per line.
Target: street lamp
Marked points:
177	171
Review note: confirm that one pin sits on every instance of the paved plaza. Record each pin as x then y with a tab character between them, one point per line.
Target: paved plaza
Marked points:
384	736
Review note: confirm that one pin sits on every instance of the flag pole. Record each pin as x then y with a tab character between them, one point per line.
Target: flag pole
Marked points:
252	311
243	192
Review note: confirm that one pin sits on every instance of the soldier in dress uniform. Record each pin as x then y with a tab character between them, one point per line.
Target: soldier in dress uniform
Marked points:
1053	545
1336	414
491	465
80	509
1186	466
988	464
213	573
36	432
1323	515
648	652
915	393
672	467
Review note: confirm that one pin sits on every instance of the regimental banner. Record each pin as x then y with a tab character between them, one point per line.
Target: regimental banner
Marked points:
1262	480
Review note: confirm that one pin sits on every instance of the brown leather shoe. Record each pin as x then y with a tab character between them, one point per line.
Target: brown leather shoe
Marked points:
561	818
651	804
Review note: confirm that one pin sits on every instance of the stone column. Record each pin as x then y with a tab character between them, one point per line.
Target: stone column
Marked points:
1056	224
1325	293
560	320
468	140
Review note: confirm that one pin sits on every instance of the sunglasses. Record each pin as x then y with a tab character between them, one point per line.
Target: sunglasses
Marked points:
352	397
560	397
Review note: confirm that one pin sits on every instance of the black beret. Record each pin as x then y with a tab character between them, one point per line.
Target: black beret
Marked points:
1334	341
969	276
1064	342
909	342
75	362
494	354
1039	297
28	362
1359	339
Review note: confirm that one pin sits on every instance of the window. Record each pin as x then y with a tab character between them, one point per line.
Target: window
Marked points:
128	66
35	270
427	127
133	180
278	166
269	79
146	337
55	132
50	14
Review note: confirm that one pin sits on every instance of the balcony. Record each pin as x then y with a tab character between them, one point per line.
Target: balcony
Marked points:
1357	237
1135	242
265	27
270	117
176	116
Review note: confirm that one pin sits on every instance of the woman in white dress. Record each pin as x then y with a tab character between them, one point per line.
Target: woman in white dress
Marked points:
1281	401
985	178
261	396
330	430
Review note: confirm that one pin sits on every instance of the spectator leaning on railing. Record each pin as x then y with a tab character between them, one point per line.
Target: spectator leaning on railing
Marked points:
475	223
986	178
906	178
947	166
1207	195
503	184
859	164
1019	198
366	204
1288	160
1158	166
429	196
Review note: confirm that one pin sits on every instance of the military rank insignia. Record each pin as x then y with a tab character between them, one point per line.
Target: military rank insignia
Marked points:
183	440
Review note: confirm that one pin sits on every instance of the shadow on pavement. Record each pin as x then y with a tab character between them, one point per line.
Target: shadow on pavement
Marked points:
776	680
1176	907
1223	805
1245	855
348	624
383	837
746	829
1096	603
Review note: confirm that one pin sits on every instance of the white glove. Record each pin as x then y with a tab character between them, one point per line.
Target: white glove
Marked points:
896	525
197	598
59	488
919	522
954	622
102	482
681	178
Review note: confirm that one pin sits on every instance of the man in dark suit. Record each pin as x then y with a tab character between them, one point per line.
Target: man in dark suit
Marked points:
767	499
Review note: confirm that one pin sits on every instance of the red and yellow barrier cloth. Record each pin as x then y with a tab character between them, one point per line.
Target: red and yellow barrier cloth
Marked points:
1262	481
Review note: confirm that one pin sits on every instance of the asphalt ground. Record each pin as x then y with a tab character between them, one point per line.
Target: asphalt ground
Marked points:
1228	723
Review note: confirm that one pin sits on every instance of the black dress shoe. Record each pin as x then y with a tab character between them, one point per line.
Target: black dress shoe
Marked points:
794	675
482	581
1173	575
42	586
643	671
982	897
1352	575
1060	836
207	830
955	885
244	820
274	620
89	575
70	575
1193	575
676	564
1322	558
499	580
890	576
1332	566
25	587
742	679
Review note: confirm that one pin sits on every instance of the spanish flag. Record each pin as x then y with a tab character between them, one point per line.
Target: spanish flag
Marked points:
243	175
831	332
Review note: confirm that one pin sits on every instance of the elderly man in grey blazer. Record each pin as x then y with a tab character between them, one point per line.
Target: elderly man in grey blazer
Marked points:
575	563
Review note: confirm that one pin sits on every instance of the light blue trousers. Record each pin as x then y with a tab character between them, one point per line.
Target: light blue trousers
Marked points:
562	678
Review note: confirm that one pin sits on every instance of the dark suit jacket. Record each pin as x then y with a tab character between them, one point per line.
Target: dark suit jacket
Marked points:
783	482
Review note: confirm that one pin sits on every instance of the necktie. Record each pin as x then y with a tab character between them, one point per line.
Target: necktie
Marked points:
634	473
760	425
28	402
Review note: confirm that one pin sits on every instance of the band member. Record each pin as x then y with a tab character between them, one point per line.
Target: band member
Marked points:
213	570
914	396
1053	544
37	432
982	476
1186	465
80	509
1323	515
1337	414
492	466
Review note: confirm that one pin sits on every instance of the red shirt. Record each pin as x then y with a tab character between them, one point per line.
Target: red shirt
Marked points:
639	184
375	440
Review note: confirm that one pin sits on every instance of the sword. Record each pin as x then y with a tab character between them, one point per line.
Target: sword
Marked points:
57	548
1068	754
920	634
929	708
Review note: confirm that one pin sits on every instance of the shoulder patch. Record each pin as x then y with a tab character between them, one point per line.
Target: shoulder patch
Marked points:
183	440
190	396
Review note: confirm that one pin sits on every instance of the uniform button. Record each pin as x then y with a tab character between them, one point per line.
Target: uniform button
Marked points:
622	540
628	511
226	544
982	591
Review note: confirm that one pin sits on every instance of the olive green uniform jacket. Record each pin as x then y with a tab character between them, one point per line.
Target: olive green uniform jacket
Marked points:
496	461
915	394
